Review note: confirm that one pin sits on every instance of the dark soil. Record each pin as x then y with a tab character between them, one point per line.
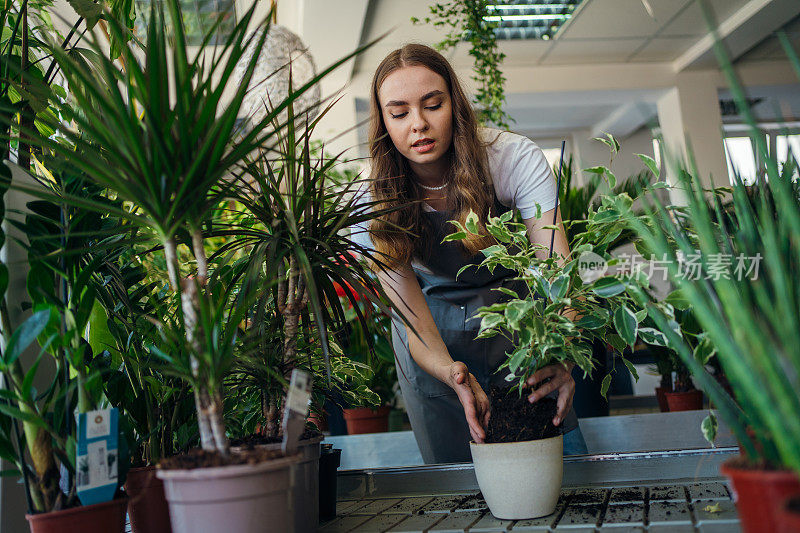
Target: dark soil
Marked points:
472	501
198	458
794	505
259	440
515	419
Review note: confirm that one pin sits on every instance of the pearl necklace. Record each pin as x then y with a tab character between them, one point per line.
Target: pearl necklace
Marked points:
439	188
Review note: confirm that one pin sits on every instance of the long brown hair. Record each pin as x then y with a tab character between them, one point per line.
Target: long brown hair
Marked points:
403	233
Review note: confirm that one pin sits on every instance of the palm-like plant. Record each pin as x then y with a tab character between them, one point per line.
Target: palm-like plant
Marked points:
158	134
298	225
752	320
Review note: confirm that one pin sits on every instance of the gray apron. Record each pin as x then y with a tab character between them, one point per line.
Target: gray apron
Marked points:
436	414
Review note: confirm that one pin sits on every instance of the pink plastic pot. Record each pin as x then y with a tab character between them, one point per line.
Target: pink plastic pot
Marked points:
238	498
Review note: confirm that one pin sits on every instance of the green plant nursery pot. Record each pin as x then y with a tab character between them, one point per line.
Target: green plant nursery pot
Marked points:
106	517
365	420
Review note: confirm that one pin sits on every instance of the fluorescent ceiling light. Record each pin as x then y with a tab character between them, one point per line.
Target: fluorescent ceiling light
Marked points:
520	7
500	18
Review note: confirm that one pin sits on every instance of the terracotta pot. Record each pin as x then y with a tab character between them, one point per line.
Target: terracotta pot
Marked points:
319	421
147	506
759	494
685	401
507	472
248	498
366	420
662	400
789	518
107	517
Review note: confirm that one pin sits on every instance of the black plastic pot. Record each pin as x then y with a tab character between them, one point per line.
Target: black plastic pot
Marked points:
328	465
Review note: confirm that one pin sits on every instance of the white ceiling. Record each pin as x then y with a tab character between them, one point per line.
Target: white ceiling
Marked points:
615	34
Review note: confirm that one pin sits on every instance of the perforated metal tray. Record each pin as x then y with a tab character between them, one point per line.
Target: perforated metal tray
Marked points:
616	493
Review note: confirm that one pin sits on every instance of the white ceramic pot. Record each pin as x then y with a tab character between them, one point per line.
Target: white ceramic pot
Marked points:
238	498
520	480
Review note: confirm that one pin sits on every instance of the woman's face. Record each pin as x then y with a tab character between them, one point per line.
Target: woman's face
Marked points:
418	115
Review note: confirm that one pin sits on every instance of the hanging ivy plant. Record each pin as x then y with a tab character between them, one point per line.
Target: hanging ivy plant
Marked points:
465	18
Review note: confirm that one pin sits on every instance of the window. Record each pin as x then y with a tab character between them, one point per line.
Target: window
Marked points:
199	16
741	159
784	143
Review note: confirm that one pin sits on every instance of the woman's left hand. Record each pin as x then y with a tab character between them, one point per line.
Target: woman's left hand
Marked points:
560	375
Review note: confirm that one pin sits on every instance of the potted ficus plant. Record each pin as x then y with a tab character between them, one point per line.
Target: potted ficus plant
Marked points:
750	316
561	311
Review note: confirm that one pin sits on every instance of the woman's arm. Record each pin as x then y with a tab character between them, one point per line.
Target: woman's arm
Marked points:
560	374
429	351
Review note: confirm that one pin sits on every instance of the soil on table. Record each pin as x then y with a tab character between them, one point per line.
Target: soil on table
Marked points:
198	458
259	440
515	419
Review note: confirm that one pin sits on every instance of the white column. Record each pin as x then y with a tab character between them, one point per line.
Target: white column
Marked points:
691	125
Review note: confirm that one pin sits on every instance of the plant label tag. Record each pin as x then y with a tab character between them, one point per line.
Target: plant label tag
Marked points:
96	459
296	410
299	392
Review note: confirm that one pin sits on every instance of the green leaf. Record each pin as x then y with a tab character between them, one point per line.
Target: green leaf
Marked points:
616	342
591	322
709	427
517	359
595	170
625	324
651	164
506	290
457	236
640	315
494	249
605	385
612	179
677	300
472	223
490	321
15	413
3	278
559	288
608	286
631	368
25	334
704	351
653	336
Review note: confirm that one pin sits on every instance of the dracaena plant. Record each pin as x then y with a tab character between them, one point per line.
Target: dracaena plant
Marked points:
300	251
753	321
155	131
563	307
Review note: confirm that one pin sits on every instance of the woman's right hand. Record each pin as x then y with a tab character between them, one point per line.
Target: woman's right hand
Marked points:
475	402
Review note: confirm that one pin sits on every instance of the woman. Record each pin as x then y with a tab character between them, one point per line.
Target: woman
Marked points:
428	153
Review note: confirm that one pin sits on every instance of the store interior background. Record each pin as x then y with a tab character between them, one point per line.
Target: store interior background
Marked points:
613	68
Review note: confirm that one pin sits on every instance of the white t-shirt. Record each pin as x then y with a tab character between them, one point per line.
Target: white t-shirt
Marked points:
520	174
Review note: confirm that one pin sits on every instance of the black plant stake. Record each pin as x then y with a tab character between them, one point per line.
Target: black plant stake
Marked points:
558	194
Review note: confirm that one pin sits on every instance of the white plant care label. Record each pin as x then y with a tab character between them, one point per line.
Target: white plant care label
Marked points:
299	393
296	410
96	456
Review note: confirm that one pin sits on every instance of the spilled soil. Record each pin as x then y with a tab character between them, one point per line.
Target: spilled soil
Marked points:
515	419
